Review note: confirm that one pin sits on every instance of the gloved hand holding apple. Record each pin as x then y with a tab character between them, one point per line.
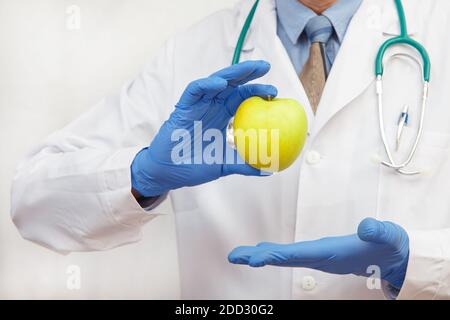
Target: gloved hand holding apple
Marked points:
212	102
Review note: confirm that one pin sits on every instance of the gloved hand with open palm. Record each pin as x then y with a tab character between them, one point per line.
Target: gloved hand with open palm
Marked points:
382	244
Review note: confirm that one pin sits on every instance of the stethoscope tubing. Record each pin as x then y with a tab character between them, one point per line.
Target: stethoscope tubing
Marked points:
402	39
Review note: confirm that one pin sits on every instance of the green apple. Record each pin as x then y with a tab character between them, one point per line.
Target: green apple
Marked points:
270	134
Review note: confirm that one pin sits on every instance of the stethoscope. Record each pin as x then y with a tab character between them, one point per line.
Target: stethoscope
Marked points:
402	39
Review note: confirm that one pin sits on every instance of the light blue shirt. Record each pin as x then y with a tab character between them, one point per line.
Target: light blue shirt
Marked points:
292	17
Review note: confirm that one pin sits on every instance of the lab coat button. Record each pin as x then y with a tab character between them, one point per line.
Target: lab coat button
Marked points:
313	157
308	283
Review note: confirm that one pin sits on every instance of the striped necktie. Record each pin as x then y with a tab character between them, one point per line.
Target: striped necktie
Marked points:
314	73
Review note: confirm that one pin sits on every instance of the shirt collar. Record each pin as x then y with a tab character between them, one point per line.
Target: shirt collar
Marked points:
340	15
293	15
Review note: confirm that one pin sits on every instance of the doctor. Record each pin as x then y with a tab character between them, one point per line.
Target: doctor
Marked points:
334	218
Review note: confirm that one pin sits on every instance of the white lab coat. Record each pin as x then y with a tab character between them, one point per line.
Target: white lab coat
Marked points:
72	193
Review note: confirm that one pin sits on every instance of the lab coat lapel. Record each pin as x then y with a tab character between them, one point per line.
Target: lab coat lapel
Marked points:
233	32
354	68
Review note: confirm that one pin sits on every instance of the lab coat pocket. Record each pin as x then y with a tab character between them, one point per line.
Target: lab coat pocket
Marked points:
419	201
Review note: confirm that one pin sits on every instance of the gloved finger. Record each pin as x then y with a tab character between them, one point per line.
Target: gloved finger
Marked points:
242	169
268	257
267	245
241	255
206	88
236	165
381	232
246	91
243	72
308	254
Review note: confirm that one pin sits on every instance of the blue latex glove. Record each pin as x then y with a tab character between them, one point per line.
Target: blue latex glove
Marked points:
383	244
213	101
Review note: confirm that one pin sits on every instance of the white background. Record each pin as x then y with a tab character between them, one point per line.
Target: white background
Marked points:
49	74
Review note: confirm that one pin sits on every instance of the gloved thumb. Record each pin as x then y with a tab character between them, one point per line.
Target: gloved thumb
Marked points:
381	232
242	169
238	166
